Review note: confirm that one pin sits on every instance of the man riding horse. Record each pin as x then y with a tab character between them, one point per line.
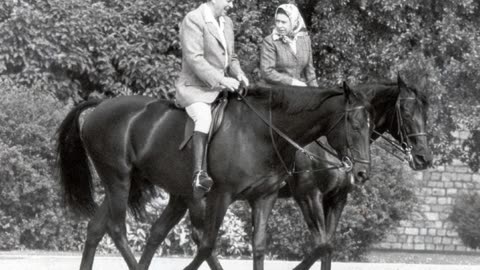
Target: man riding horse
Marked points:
209	65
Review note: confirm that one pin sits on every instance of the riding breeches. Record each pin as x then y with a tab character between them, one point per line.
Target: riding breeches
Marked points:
201	115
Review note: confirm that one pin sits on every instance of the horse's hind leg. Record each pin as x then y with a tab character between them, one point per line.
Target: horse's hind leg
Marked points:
97	227
172	214
117	187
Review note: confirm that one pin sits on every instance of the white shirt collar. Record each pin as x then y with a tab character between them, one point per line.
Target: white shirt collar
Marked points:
209	17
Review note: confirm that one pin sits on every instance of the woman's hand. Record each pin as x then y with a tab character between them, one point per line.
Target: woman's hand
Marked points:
296	82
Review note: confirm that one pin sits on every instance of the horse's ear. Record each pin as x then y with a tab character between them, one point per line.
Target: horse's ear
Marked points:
347	91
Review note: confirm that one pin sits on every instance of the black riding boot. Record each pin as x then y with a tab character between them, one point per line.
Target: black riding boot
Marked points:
201	181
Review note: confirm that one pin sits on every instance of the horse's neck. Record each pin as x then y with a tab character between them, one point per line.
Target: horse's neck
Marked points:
383	101
305	126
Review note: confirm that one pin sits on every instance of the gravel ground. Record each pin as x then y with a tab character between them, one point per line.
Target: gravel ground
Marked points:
424	258
377	260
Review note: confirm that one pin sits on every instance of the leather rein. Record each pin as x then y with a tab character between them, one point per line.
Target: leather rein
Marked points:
346	162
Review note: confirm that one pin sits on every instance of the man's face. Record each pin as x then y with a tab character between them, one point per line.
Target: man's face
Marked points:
221	7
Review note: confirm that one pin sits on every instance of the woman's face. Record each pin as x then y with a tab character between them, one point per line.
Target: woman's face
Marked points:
283	24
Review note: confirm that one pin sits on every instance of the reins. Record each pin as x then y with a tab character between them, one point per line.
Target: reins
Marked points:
346	162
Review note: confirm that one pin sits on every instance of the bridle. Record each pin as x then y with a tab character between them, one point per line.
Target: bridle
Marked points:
405	145
346	162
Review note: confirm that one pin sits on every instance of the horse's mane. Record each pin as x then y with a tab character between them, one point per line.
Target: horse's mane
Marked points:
371	87
293	99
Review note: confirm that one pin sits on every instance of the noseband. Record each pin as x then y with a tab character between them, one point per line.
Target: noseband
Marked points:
404	136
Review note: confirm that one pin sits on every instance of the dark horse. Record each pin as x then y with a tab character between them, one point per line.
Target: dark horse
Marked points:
133	144
322	194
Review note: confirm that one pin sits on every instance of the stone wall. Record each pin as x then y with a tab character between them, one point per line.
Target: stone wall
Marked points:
430	230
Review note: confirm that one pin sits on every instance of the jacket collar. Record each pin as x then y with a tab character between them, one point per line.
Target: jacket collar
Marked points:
207	14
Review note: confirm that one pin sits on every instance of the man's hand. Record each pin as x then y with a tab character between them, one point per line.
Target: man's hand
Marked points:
230	84
244	79
296	82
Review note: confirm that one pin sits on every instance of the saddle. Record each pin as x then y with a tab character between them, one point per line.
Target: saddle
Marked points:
218	109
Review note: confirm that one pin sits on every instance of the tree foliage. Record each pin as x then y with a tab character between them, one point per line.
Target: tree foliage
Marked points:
465	216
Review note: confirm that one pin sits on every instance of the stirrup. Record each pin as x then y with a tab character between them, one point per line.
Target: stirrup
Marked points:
202	183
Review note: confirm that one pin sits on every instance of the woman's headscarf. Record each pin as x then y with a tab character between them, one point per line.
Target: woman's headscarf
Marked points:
298	25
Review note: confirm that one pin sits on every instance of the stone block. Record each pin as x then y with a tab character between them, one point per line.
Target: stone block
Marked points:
439	208
423	231
437	240
440	168
391	238
411	231
419	239
396	245
448	176
451	191
459	185
450	168
446	240
435	176
430	247
410	239
407	246
460	248
462	169
466	177
428	239
476	177
425	191
442	232
448	184
449	248
431	200
452	233
438	192
419	246
432	232
431	216
442	201
443	215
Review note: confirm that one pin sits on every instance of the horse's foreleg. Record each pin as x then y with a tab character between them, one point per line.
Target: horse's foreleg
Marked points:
312	208
170	216
96	229
333	211
261	209
197	218
207	223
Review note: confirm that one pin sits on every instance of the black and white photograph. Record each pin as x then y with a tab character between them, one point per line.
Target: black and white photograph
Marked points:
240	134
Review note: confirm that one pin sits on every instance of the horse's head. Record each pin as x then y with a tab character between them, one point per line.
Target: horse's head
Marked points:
351	138
410	125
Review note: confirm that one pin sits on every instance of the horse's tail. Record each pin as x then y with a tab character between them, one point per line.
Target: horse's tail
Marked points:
72	162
